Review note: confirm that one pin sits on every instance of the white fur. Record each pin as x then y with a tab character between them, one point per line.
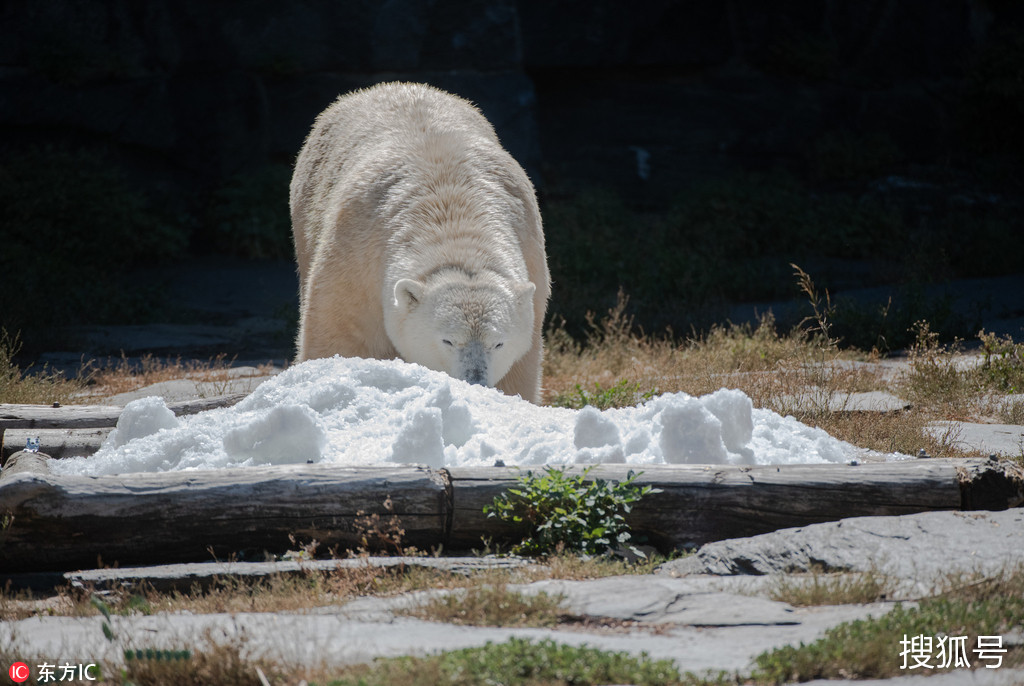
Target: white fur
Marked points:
418	236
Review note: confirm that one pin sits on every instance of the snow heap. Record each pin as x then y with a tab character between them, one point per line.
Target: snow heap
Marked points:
369	412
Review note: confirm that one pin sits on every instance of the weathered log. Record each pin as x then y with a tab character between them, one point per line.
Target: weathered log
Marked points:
69	430
67	522
64	417
26	462
701	503
57	443
13	416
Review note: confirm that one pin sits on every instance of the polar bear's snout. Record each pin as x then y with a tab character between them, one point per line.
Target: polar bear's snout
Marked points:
473	363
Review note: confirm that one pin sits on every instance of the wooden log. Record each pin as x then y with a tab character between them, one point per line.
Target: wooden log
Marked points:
14	416
702	503
69	430
69	522
25	462
57	443
64	522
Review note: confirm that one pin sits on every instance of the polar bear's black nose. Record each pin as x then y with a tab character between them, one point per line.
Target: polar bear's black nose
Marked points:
473	363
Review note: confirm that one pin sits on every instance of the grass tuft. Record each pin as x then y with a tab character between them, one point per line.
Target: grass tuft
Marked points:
492	605
40	388
517	662
820	588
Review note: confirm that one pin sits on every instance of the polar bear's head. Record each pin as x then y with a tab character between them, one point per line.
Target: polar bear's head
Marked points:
474	329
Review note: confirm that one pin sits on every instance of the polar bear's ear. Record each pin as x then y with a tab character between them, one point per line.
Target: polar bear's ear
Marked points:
408	293
524	291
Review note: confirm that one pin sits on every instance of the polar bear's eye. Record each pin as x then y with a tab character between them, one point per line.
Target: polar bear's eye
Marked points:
498	345
446	341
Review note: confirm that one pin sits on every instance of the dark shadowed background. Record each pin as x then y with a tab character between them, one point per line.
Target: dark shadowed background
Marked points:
685	151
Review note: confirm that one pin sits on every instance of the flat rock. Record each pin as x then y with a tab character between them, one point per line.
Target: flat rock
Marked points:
238	380
369	628
982	439
867	401
665	600
184	576
924	548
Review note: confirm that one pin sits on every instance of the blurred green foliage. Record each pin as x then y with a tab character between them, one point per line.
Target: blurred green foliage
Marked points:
71	230
625	393
731	239
725	239
248	214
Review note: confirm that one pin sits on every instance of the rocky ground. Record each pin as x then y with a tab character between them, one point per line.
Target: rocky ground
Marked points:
709	611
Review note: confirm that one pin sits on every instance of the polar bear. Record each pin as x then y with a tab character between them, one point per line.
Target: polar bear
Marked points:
418	236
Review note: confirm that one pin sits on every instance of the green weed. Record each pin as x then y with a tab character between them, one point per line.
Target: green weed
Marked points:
871	648
558	511
623	394
518	662
1003	368
248	214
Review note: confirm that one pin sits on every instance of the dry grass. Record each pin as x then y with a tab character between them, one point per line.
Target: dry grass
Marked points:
124	375
820	588
800	373
97	380
44	387
491	605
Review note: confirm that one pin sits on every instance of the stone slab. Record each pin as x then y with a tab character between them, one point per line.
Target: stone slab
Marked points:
866	401
982	439
665	600
182	577
923	548
241	380
354	633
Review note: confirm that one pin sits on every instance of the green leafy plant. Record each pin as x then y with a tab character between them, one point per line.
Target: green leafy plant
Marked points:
73	226
248	216
561	511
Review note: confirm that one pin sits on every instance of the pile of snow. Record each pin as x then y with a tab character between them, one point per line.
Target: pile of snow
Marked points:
371	412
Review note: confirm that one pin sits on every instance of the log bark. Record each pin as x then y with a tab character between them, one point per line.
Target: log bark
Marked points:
57	443
70	430
14	416
701	503
68	522
64	522
26	462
